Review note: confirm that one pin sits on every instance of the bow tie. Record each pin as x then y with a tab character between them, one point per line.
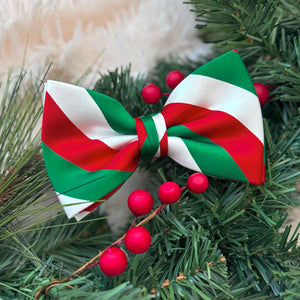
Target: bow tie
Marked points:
211	123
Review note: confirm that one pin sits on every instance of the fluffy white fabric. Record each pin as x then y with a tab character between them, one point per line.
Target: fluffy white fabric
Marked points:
93	35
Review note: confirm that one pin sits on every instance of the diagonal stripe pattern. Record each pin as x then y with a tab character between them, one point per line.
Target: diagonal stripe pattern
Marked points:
211	123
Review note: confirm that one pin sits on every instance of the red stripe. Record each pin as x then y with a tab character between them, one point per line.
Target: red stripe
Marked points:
127	159
223	129
65	139
181	113
141	131
163	145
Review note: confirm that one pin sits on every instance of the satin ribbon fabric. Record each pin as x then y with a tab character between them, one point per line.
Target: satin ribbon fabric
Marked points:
211	123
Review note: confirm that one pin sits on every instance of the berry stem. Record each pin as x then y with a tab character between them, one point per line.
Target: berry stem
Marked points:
157	211
166	94
183	188
116	243
134	220
93	265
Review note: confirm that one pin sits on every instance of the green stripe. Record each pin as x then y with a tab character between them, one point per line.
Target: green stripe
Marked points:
114	112
73	181
151	143
229	68
211	158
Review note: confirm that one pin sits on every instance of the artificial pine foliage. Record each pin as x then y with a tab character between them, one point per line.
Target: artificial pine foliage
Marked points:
223	244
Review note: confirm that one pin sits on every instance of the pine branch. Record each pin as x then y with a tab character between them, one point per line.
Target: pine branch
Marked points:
237	221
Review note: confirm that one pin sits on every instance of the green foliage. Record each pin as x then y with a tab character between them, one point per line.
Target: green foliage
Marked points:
227	242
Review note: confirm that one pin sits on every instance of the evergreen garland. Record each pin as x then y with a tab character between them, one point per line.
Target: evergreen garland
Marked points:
223	244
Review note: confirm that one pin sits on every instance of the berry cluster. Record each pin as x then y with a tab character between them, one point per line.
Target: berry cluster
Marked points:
137	240
151	93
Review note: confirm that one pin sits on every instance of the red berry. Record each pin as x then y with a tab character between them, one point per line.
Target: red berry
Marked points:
262	92
174	78
113	261
235	50
197	183
137	240
169	192
140	202
151	93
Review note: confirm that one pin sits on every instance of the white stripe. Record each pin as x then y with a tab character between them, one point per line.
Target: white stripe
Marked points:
218	95
74	206
180	153
81	109
160	125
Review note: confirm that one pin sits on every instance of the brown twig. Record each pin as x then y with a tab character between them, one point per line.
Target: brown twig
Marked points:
56	282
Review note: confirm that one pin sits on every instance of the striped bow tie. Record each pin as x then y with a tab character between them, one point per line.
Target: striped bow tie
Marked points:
211	123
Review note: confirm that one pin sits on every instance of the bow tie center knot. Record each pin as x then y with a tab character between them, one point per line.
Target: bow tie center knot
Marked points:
152	135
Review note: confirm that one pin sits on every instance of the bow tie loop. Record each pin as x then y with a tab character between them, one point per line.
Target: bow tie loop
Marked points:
152	135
